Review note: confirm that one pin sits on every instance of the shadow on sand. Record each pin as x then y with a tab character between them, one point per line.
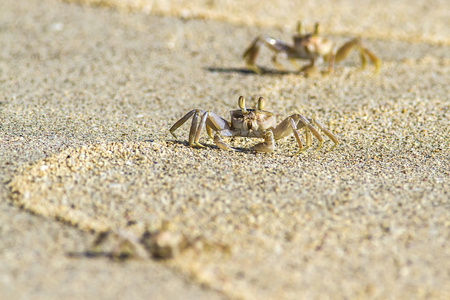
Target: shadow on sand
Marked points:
245	71
209	146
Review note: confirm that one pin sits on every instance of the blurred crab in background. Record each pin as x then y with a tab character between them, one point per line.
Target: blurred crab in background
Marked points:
309	46
251	123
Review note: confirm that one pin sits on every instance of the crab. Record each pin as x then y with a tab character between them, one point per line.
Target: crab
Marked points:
252	123
309	46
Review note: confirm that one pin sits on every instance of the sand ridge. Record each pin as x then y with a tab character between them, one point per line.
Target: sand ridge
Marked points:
89	95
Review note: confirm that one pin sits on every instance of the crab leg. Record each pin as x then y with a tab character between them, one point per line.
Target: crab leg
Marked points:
181	122
327	133
308	129
311	128
345	49
216	123
218	137
251	53
375	60
209	131
331	61
200	119
194	129
276	63
196	126
297	136
309	69
294	63
212	122
199	129
282	130
308	138
363	59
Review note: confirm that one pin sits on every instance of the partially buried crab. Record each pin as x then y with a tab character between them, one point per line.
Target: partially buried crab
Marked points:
309	46
251	123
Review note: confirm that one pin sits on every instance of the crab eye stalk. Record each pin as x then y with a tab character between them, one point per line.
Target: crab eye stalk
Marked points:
241	102
316	28
261	103
299	27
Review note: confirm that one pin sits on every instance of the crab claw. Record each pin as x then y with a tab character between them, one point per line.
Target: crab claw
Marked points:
267	146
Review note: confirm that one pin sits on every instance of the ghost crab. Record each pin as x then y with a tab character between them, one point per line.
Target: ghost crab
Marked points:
251	123
309	46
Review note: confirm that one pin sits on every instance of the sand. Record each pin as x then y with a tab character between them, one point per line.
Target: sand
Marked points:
89	92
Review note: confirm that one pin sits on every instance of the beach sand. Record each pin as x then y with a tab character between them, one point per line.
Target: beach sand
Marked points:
89	90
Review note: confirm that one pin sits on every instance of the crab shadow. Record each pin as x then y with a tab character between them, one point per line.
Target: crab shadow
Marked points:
244	71
210	146
96	254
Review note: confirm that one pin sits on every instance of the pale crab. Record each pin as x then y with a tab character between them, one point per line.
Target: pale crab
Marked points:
251	123
309	46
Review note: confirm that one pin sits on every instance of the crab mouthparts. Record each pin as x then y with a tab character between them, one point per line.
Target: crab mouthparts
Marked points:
250	119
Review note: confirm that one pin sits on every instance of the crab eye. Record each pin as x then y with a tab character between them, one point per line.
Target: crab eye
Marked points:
316	28
241	103
261	103
299	27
